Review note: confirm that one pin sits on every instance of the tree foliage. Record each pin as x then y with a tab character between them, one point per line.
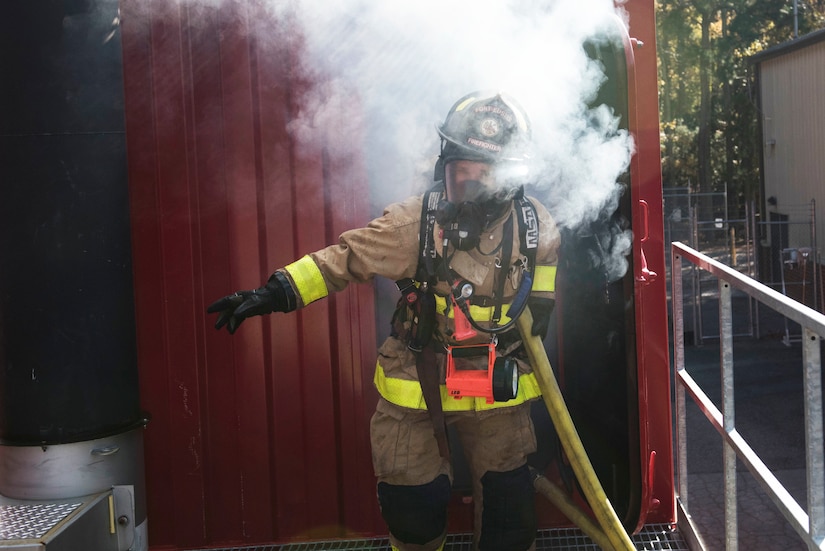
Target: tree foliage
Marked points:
709	122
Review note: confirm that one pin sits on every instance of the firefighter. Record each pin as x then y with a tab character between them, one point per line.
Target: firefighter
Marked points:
467	256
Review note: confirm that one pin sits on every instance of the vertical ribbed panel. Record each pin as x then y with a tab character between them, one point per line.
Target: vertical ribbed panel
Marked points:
261	436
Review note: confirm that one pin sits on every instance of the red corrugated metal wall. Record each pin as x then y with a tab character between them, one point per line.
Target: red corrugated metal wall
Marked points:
262	436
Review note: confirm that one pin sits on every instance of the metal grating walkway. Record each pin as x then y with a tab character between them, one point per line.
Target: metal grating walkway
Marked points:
654	537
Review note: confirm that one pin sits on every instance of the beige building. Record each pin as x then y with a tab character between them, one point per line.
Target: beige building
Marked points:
791	90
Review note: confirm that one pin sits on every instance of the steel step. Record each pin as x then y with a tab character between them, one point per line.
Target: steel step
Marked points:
654	537
23	521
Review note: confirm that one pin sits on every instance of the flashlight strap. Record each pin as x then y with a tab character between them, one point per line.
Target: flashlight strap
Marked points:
503	267
427	369
528	234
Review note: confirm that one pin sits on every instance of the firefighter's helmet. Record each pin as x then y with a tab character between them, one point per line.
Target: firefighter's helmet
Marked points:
485	126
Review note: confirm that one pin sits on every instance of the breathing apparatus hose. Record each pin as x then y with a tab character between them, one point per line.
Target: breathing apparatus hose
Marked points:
551	393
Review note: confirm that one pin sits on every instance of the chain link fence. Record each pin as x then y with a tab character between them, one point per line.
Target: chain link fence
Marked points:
779	251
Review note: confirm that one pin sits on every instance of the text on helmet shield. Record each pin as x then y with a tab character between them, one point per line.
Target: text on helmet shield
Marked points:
505	113
484	145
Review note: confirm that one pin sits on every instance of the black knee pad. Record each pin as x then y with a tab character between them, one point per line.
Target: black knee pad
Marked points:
508	521
415	514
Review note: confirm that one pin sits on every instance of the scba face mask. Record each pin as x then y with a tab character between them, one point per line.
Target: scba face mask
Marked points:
475	196
462	216
469	180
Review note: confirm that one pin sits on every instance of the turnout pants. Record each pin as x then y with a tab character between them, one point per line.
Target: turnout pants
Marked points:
414	481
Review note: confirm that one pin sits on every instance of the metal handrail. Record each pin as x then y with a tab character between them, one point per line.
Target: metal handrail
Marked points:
809	525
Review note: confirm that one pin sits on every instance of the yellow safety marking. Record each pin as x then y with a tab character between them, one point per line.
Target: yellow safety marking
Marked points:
464	104
545	279
407	393
308	279
111	514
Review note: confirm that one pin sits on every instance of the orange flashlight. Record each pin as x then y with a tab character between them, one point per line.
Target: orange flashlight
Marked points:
495	379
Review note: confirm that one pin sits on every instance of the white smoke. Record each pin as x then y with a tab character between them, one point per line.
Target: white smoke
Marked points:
407	62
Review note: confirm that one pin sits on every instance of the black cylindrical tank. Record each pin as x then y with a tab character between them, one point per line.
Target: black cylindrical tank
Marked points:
68	369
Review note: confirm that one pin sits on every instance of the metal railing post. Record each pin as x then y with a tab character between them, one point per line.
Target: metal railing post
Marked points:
728	416
679	357
815	455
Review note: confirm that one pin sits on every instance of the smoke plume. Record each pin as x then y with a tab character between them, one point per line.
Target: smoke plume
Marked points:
407	62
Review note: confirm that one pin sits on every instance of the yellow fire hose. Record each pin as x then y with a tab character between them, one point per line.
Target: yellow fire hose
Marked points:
570	509
606	517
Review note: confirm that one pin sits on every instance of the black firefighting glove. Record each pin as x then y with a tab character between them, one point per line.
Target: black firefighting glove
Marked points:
541	308
276	296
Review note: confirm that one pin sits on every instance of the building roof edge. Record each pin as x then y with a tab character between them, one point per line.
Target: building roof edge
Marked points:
788	47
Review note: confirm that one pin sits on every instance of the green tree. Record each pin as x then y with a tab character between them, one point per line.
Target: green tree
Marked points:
709	120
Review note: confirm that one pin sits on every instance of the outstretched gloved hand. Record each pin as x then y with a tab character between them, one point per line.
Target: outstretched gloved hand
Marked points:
276	296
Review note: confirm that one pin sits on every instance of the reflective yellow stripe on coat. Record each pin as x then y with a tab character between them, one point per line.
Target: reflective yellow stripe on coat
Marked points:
308	279
406	393
545	280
